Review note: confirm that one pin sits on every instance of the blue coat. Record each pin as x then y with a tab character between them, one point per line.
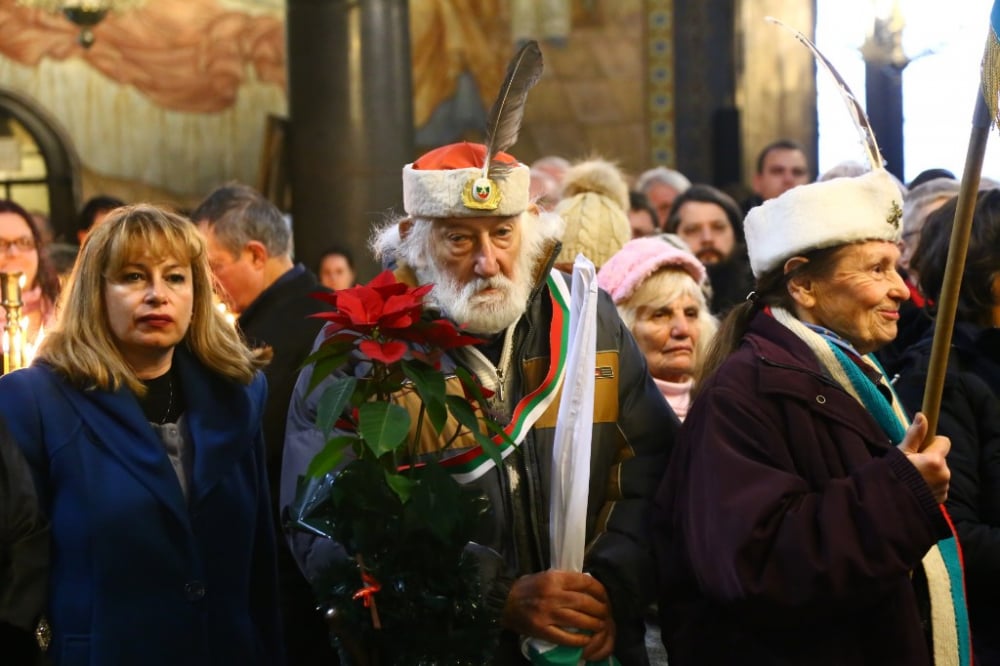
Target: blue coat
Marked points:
139	574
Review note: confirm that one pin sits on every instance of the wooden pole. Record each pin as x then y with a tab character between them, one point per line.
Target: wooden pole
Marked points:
948	302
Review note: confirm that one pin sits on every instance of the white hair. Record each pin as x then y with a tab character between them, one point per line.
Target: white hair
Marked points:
458	300
669	177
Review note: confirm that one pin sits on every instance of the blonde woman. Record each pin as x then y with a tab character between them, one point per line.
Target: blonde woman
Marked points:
141	421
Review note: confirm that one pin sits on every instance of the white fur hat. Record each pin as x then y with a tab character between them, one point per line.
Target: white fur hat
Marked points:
819	215
449	182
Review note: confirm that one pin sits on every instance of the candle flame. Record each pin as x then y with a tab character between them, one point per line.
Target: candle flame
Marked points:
229	316
30	348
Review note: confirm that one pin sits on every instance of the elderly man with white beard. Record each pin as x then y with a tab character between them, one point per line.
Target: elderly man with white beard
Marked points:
489	254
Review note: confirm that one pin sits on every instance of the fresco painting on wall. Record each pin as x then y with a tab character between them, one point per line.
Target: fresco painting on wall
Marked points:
173	94
174	81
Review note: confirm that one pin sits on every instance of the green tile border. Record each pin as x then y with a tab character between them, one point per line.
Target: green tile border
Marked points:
660	82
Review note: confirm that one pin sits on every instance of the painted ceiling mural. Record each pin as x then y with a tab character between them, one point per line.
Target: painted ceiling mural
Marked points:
174	93
185	55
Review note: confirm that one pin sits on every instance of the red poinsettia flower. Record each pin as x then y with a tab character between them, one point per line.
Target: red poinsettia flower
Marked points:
443	334
348	423
384	305
386	352
385	311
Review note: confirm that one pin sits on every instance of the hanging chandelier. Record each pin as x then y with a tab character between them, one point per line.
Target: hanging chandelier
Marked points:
83	13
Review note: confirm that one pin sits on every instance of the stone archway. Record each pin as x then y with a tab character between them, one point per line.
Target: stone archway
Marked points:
62	166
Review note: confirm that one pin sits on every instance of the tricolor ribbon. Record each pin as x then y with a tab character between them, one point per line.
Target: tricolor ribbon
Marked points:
474	463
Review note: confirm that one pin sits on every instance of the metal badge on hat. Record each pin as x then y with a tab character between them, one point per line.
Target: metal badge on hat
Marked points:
523	72
481	194
895	215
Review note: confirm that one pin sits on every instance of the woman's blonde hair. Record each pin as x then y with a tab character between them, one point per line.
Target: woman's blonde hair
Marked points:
663	287
82	346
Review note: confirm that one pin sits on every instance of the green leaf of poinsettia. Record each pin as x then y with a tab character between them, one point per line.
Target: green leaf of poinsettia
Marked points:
430	387
438	504
466	415
471	386
325	361
383	426
330	456
498	431
333	401
401	485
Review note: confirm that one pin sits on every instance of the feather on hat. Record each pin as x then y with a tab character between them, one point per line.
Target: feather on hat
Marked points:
475	180
829	213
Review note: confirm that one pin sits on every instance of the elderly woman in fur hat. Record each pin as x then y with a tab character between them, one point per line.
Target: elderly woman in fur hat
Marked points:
800	521
658	289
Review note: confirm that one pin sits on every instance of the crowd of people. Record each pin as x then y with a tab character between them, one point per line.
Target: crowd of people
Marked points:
763	488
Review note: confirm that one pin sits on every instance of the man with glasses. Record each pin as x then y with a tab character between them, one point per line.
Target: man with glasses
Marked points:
250	252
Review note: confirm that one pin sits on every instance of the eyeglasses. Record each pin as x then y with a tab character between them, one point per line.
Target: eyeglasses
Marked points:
22	244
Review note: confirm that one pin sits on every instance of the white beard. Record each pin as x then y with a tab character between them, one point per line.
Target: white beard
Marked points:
482	314
467	306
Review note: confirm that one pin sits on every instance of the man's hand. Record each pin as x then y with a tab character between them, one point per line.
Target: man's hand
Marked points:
551	604
931	461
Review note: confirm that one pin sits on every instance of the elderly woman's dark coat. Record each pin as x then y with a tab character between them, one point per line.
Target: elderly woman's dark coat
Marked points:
788	526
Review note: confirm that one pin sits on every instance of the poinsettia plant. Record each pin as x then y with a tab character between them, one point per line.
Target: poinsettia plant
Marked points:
409	579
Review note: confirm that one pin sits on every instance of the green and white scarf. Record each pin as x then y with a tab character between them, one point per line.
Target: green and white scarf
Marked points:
943	562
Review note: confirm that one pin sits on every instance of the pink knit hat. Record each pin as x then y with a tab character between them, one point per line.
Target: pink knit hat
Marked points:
638	259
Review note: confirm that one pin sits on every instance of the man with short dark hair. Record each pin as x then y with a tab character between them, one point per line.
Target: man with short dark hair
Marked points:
711	223
249	247
781	165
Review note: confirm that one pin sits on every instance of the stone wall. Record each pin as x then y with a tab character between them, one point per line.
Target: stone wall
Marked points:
591	100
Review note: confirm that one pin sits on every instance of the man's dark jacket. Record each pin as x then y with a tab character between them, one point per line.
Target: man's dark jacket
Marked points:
970	417
279	318
24	556
634	430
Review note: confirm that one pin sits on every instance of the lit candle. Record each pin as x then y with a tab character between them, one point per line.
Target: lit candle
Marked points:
10	300
17	350
10	289
31	347
226	314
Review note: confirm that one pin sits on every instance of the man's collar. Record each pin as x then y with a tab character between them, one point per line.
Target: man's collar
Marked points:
406	275
292	273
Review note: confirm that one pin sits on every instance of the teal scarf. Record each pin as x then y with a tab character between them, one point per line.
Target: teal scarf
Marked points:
943	563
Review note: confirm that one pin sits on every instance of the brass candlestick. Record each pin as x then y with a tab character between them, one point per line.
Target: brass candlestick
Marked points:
13	334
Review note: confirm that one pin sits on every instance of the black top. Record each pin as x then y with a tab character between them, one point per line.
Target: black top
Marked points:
164	399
